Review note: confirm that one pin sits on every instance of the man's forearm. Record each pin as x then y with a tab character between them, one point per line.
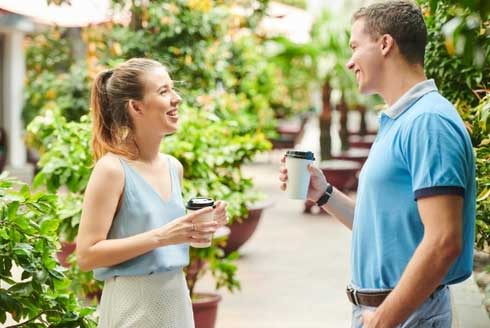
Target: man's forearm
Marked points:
423	274
342	207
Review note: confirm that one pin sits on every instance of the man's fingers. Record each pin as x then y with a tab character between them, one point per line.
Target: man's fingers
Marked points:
283	186
283	177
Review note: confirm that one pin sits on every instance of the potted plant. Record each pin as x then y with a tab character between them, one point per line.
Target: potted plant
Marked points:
35	289
223	270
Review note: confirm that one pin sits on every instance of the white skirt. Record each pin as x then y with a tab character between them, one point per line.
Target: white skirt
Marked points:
159	300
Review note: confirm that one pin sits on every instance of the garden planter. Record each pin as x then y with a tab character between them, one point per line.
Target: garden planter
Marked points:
361	142
341	174
3	148
205	308
283	142
240	232
67	248
359	134
359	155
290	132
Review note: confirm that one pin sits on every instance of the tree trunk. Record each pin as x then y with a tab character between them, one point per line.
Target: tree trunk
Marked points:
362	123
136	16
325	122
343	133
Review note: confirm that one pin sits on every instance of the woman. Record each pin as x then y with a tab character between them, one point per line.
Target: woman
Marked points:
134	232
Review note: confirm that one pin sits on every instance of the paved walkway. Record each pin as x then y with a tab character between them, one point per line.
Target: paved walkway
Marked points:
293	270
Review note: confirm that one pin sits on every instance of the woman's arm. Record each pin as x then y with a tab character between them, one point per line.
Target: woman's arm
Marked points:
102	196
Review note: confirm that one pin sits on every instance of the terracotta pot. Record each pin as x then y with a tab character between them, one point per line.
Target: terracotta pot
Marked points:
67	249
290	132
368	133
341	174
283	142
359	155
240	232
3	148
361	142
205	308
95	296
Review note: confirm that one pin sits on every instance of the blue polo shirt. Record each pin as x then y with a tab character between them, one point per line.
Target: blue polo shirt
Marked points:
422	149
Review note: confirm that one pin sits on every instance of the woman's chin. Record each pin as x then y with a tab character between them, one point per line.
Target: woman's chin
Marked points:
171	129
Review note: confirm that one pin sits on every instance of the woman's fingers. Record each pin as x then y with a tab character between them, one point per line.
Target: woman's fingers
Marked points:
206	227
220	214
191	216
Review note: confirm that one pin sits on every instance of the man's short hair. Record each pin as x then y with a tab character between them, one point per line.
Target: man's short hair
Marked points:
402	20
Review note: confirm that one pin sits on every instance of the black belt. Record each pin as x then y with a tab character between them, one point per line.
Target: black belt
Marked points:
373	299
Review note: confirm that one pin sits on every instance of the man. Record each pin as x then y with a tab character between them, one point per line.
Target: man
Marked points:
413	220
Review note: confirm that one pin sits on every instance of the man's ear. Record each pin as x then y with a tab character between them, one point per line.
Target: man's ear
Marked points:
135	107
387	44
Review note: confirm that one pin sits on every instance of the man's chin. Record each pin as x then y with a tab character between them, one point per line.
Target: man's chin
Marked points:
365	90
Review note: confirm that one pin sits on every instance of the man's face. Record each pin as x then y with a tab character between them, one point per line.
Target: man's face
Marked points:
366	60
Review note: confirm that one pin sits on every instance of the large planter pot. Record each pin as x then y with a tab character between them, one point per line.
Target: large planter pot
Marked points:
283	142
359	155
341	174
290	132
205	308
3	148
361	142
240	232
358	133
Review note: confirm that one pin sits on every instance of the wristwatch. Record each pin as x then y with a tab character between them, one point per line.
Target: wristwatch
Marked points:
326	196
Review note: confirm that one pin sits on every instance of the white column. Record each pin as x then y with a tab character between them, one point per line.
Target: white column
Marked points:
13	81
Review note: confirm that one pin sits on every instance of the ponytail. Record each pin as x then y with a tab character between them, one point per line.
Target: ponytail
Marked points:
101	128
111	92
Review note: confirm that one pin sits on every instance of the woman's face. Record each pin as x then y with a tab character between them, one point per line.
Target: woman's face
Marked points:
160	102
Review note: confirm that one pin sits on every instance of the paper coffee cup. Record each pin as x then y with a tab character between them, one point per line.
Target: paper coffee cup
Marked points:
195	204
298	174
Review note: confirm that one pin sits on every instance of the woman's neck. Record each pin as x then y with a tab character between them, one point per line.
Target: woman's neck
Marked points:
148	147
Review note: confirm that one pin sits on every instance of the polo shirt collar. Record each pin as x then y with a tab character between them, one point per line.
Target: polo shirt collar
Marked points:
411	96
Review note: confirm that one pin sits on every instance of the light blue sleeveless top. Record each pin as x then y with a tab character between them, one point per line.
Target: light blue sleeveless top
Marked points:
143	209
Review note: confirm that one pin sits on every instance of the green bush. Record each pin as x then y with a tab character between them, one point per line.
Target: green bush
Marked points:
28	237
478	123
455	77
453	65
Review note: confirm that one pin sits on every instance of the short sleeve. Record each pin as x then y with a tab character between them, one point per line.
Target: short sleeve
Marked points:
434	150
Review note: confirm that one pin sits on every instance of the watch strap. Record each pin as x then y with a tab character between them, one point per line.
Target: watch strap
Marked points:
326	196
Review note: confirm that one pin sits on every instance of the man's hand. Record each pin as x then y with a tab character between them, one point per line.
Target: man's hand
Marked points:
367	319
318	182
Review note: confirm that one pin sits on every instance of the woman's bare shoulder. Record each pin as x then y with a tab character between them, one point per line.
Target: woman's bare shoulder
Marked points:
173	159
109	167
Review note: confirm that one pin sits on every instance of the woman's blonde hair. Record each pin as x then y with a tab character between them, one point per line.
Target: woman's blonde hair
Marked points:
112	129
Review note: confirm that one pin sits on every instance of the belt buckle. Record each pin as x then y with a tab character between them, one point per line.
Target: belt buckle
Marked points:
352	294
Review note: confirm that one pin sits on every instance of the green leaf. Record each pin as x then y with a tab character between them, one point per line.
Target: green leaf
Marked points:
12	210
49	226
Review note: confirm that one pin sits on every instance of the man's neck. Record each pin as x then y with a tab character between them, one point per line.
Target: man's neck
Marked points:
399	81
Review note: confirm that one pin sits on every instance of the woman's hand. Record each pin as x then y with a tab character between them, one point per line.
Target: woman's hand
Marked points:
187	229
220	215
